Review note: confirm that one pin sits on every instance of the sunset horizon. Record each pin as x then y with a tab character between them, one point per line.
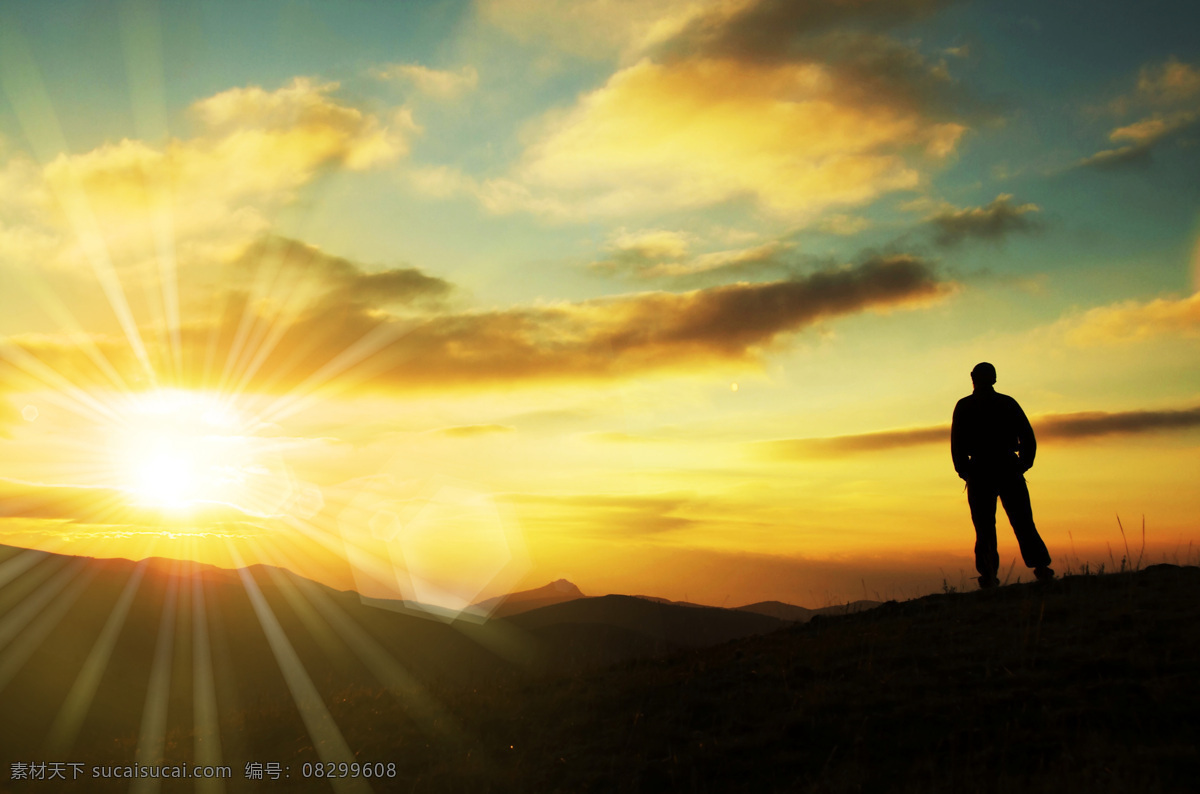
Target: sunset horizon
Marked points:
438	301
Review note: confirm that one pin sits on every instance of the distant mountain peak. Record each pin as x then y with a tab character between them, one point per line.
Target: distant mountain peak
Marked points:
554	593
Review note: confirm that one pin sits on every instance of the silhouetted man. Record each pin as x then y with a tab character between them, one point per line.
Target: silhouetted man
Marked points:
993	446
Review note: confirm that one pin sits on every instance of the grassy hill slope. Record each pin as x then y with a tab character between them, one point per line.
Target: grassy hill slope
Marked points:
1084	684
1087	683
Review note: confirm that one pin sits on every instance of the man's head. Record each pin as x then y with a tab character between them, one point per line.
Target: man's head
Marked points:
984	374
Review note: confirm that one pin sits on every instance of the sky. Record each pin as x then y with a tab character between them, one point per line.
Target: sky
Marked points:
437	300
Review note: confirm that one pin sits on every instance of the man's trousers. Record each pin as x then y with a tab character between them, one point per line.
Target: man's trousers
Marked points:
1014	495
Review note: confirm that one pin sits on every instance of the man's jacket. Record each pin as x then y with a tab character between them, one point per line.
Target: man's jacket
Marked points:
990	436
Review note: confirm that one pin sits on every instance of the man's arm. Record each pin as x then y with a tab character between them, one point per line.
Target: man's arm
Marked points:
1027	444
958	452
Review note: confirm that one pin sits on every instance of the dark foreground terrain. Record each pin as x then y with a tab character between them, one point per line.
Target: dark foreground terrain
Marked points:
1088	683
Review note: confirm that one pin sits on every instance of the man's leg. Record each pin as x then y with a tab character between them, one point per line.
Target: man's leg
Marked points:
1014	495
981	496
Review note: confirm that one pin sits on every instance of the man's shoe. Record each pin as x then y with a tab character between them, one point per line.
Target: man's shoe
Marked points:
1043	574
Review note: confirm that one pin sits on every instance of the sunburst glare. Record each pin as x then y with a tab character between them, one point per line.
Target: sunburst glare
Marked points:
178	450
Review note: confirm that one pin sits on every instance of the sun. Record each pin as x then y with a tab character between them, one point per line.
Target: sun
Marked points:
168	479
178	450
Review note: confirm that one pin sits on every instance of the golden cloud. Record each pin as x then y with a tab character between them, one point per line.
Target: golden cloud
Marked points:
653	243
798	106
1121	157
256	144
1158	86
703	131
1149	130
593	28
437	83
129	204
843	225
1136	320
665	254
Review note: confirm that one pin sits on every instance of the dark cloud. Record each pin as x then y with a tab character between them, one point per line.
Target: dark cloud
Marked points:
621	515
1143	136
993	222
777	30
866	66
280	259
592	340
1120	159
355	344
839	446
1095	423
1050	427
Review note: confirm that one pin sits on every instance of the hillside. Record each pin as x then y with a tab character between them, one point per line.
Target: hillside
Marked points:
1085	684
102	645
795	614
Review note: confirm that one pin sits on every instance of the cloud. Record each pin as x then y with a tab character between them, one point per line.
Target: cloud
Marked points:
255	143
623	515
279	309
838	446
1161	87
842	225
601	339
109	508
592	28
1150	130
339	281
701	132
867	66
473	431
440	84
1133	320
647	332
795	106
300	123
993	222
1119	158
1168	82
1144	136
131	205
780	30
1064	427
1096	423
663	254
656	244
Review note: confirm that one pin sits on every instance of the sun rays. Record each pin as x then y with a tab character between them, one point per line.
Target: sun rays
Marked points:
323	324
177	448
